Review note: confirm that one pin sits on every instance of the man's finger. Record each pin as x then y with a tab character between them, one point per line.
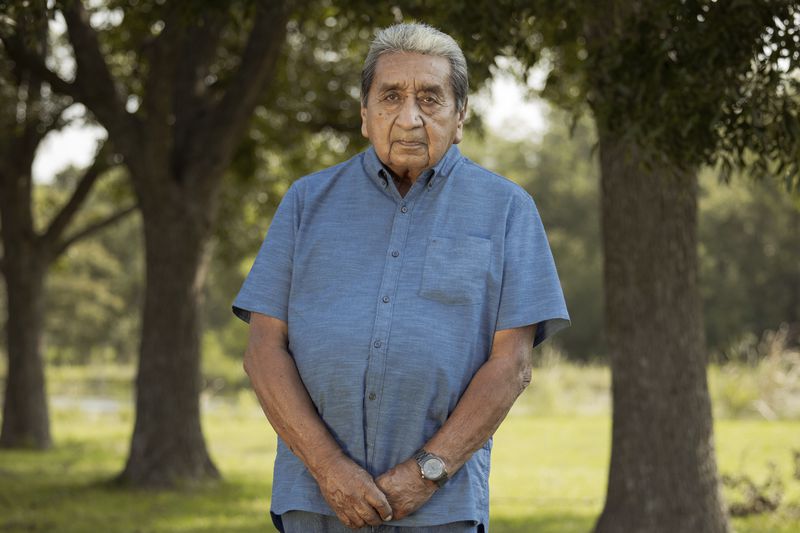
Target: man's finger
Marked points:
368	514
352	519
378	501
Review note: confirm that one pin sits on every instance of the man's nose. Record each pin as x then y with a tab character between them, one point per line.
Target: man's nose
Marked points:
410	116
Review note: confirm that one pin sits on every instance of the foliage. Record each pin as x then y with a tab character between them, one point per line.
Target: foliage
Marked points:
94	288
749	251
692	82
309	119
766	384
756	497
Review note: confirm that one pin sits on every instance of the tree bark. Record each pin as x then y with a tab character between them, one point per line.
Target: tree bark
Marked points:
168	446
26	420
663	474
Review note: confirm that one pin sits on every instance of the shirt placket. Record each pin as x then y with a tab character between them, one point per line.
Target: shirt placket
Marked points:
376	365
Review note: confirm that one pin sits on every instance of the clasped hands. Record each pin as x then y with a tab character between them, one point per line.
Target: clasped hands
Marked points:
358	500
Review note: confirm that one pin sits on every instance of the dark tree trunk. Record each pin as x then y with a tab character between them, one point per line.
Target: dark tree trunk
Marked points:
177	170
663	474
168	446
26	422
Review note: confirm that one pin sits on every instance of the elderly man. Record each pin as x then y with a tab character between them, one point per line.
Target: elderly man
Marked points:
393	307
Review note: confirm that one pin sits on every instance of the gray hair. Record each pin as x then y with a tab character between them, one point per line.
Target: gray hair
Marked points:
420	39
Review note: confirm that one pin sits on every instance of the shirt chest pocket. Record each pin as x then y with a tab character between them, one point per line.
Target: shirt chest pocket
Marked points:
456	269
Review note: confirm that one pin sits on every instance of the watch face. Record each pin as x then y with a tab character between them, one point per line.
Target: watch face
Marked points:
433	469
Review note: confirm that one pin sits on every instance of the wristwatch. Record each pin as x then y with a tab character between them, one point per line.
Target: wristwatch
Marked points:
431	467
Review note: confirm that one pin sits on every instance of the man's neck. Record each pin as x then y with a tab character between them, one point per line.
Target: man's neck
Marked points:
403	184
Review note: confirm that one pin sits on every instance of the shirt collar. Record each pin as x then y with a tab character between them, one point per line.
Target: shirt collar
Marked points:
439	171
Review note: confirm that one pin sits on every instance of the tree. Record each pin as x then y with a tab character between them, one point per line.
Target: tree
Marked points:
670	86
28	114
177	113
176	122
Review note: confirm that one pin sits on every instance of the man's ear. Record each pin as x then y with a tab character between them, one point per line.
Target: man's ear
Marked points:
364	130
462	115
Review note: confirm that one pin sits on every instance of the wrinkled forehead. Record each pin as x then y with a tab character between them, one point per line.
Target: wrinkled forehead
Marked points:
412	71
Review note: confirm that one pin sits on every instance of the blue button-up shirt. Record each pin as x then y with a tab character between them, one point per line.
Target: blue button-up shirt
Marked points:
392	303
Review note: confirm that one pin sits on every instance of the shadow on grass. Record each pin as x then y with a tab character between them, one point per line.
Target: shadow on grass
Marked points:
100	506
72	489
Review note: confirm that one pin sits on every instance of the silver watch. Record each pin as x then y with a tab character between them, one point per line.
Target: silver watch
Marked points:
431	467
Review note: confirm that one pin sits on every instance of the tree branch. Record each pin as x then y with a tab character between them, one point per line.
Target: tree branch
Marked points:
35	64
162	60
224	125
191	94
36	131
89	230
67	213
94	80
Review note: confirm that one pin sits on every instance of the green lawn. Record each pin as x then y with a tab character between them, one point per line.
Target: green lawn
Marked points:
548	474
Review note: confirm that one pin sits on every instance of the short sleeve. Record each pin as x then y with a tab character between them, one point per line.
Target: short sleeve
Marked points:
531	291
266	288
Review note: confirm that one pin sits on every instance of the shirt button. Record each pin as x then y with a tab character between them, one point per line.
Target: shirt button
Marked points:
377	344
385	299
404	209
383	182
395	253
372	395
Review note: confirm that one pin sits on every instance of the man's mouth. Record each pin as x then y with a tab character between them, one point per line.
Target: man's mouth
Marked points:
410	143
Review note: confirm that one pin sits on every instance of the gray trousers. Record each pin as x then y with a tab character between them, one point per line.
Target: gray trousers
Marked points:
305	522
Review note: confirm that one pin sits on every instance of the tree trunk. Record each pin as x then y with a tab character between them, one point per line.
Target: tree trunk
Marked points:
168	446
663	474
26	421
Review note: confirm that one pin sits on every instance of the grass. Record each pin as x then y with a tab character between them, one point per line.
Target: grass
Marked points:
66	489
548	475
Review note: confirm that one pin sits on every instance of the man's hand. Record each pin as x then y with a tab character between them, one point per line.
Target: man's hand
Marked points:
405	488
352	494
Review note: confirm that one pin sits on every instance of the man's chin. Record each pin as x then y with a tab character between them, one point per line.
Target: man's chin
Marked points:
407	162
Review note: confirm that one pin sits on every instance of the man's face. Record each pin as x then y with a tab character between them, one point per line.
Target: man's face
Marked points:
411	117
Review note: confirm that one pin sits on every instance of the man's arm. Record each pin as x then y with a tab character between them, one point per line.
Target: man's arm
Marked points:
478	414
348	489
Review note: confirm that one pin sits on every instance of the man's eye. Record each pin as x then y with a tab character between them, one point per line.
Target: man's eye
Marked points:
428	100
392	97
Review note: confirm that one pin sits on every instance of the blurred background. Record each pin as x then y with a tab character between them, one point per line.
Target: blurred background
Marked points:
145	146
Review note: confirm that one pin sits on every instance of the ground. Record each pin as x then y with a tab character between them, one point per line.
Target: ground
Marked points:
548	475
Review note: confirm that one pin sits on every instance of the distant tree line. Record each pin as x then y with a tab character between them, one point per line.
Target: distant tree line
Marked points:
749	252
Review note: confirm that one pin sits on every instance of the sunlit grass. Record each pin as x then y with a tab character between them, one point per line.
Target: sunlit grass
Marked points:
548	474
